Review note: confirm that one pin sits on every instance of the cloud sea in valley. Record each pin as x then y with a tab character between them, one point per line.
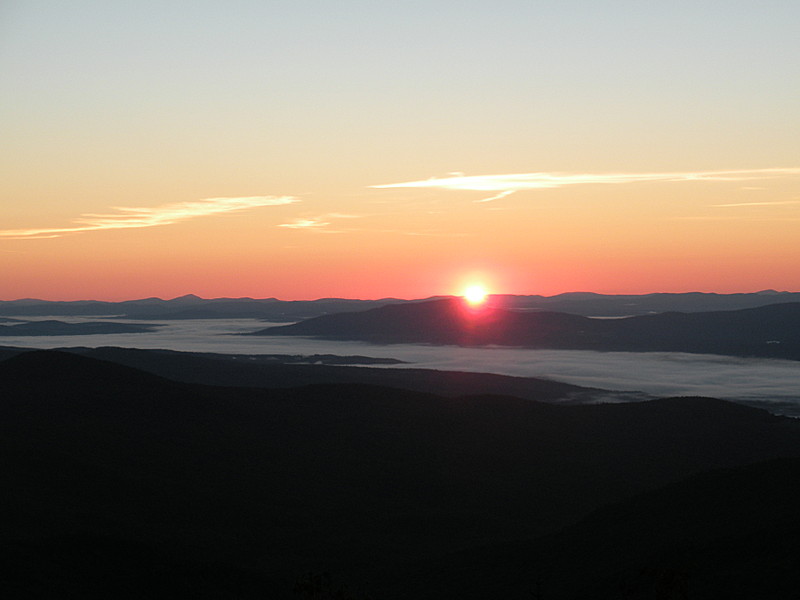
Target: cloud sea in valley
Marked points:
773	384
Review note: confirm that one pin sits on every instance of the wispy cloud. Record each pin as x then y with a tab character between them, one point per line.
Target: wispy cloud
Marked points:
435	233
504	185
305	224
738	217
322	224
318	223
497	196
166	214
776	203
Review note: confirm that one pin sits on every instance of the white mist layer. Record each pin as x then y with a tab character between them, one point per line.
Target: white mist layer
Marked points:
656	373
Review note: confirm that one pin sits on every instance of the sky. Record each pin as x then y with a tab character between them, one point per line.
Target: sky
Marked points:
366	149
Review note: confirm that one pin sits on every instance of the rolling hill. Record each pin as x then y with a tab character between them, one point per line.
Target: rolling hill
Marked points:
767	331
368	482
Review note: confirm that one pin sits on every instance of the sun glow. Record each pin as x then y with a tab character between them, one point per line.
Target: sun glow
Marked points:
475	295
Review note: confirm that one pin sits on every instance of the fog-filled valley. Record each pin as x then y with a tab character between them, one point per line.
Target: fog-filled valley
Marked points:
768	382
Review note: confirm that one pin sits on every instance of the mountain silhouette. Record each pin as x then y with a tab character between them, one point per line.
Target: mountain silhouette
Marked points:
53	327
249	371
768	331
589	304
365	481
722	534
282	371
191	306
72	371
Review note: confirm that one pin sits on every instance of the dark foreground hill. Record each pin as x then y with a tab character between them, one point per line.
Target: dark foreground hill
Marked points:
726	534
124	482
280	371
253	371
767	331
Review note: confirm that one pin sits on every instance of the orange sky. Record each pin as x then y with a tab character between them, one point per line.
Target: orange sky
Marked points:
407	150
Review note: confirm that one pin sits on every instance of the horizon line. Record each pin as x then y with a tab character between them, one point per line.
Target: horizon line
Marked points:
765	291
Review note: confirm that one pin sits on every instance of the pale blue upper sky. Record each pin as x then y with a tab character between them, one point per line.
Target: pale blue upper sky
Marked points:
470	84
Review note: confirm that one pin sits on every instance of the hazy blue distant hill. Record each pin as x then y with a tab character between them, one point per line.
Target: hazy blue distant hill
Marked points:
52	327
272	309
590	304
192	307
368	482
768	331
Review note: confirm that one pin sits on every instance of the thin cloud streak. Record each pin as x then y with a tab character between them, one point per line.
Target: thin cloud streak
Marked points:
776	203
496	196
136	217
305	224
733	218
317	223
504	185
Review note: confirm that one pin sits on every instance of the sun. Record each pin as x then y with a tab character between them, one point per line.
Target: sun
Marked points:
475	295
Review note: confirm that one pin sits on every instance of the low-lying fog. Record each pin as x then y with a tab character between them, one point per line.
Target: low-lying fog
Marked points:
657	373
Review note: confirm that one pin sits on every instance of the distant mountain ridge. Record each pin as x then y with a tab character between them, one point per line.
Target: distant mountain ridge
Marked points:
589	304
190	307
768	331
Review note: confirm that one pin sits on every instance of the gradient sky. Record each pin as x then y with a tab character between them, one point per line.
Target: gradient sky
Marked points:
302	149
